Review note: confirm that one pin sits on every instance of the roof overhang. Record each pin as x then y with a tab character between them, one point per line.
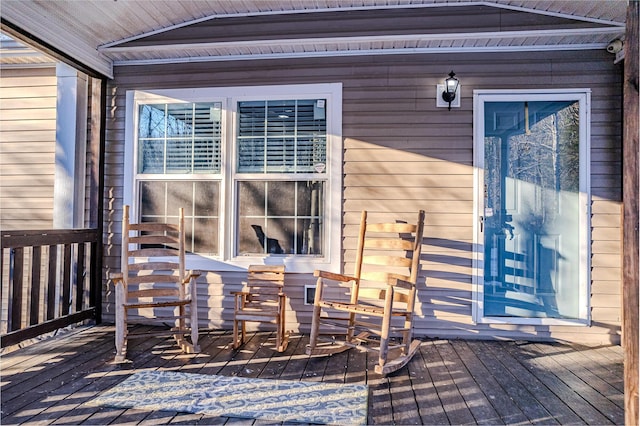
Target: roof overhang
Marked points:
88	40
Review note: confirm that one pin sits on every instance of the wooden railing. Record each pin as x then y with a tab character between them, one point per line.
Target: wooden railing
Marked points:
50	279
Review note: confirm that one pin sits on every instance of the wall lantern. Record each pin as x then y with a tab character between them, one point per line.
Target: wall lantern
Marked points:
449	92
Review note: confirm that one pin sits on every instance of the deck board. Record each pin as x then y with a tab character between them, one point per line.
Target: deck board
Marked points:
447	382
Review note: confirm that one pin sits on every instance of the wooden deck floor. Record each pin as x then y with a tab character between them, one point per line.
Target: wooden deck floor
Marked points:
447	382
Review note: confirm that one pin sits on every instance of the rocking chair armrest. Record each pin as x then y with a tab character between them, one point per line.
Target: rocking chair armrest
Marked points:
190	275
398	282
333	276
240	293
117	277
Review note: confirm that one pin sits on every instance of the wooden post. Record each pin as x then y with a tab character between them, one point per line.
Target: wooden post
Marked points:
631	216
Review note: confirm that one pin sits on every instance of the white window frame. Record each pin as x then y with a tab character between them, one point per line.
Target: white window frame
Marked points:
583	96
230	96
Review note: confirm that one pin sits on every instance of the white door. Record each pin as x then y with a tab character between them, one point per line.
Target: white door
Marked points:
531	158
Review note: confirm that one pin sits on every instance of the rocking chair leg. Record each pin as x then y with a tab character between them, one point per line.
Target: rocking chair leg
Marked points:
121	332
238	335
315	328
384	348
121	346
194	333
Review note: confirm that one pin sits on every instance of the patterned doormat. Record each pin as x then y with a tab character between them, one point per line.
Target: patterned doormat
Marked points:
277	400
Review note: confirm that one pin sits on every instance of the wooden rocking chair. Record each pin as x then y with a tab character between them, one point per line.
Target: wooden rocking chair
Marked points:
263	300
379	300
154	282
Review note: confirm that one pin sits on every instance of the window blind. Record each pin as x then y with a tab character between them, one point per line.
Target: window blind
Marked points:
282	136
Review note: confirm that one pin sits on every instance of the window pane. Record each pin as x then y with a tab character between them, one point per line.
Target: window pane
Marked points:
152	197
160	201
281	200
180	138
179	155
251	155
311	154
292	223
253	198
180	194
206	156
151	156
251	118
282	136
205	237
179	120
281	118
206	199
151	121
280	155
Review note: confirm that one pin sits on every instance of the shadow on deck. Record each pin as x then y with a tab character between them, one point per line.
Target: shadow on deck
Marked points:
447	382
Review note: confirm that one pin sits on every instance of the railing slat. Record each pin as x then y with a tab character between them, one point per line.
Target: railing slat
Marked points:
52	282
15	316
66	280
80	277
36	266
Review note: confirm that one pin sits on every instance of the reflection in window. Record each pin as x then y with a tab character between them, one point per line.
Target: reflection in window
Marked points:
532	208
277	217
179	138
160	201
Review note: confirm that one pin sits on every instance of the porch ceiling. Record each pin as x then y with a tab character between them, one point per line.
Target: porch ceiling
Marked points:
102	34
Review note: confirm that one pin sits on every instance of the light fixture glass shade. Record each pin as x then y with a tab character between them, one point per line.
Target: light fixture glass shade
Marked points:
450	88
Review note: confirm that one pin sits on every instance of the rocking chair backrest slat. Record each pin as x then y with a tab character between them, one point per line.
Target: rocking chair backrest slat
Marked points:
153	278
155	239
154	266
384	260
381	276
153	252
154	227
153	292
379	245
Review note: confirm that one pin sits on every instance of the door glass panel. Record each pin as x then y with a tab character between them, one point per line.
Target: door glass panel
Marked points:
531	209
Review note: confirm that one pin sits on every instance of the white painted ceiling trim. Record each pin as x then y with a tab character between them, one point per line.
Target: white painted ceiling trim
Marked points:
358	8
360	40
345	53
505	41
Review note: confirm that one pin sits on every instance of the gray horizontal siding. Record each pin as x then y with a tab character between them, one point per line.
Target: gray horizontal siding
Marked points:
402	154
27	147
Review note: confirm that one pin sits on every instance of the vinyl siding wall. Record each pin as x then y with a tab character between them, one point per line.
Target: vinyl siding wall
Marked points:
402	154
27	147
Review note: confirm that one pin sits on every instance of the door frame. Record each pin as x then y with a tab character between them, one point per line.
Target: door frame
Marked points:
583	96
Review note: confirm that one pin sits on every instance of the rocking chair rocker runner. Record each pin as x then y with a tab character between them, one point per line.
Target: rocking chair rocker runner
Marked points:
154	282
379	300
262	301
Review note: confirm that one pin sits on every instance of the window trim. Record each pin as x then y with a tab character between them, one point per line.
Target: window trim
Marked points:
230	96
583	96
